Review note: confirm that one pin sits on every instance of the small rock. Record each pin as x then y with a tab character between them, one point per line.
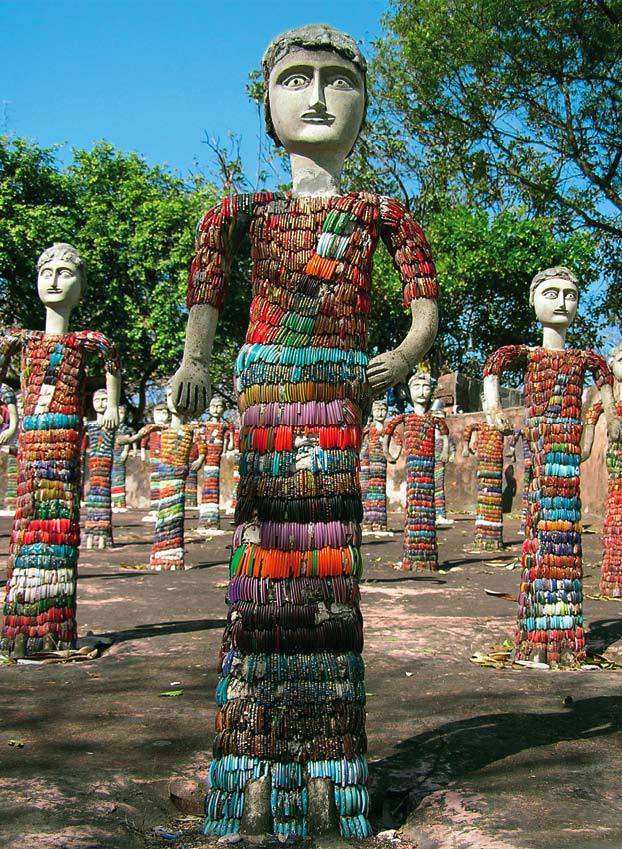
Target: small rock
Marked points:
228	839
568	700
390	834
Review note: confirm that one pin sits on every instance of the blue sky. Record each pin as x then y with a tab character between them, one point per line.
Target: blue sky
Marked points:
148	76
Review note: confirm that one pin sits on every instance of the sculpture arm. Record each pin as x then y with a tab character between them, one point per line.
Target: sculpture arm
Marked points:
7	398
494	367
412	258
98	344
469	447
604	381
587	437
10	342
386	439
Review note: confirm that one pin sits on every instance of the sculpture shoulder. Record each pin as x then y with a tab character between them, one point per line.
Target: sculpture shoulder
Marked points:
236	208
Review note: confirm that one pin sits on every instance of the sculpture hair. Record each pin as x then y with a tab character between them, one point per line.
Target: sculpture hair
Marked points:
65	251
559	271
309	37
422	375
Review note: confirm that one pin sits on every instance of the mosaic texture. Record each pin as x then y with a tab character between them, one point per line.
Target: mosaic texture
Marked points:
150	441
611	574
375	486
291	694
7	396
212	442
489	454
521	434
420	548
550	613
192	480
117	485
40	597
99	450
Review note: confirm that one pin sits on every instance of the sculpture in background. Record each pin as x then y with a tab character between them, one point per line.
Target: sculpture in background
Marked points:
418	441
289	756
120	454
40	596
550	613
488	448
214	437
192	480
440	497
167	551
611	574
8	429
522	434
375	494
150	442
99	445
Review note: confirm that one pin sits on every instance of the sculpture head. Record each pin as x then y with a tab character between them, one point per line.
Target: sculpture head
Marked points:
315	90
420	386
61	277
122	413
160	414
216	408
100	400
615	362
379	410
554	295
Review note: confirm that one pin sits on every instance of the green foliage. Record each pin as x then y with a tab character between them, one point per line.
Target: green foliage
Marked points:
505	104
135	225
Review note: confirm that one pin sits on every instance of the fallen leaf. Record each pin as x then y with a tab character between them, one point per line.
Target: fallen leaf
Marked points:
171	694
16	744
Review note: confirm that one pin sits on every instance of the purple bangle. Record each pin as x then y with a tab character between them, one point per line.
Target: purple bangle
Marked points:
300	414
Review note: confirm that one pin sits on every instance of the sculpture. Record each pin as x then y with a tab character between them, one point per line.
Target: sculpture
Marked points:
99	444
440	499
375	494
167	551
149	439
418	441
488	449
291	741
8	429
214	437
522	434
120	454
40	599
611	575
550	615
192	480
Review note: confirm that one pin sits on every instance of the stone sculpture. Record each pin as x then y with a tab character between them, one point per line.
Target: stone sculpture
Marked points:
550	613
440	498
289	755
167	551
119	459
214	437
149	440
418	441
522	434
611	574
99	445
488	448
192	481
8	428
40	597
375	493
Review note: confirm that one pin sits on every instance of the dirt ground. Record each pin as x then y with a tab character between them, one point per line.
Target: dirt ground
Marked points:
461	756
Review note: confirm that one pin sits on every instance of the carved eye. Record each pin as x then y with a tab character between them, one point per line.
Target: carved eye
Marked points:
571	296
65	272
551	294
342	83
296	80
46	272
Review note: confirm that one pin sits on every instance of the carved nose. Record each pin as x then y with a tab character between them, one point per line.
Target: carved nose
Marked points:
317	99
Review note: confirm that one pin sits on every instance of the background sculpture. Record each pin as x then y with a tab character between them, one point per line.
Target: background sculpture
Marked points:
8	429
522	434
150	442
99	443
291	740
488	448
375	492
120	454
420	547
40	597
611	575
550	614
440	497
214	437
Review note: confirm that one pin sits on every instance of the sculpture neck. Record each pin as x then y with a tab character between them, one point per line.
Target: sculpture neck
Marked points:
100	419
420	409
553	339
318	176
175	420
56	321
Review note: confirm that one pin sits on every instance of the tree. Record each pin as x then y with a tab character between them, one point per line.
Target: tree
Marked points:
135	225
511	103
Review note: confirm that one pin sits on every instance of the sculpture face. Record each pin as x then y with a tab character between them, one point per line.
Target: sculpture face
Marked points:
379	411
216	408
100	400
420	390
317	100
616	363
555	302
170	406
160	414
59	283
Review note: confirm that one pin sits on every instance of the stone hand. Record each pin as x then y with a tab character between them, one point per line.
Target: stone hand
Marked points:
501	422
191	389
386	370
4	437
110	419
194	467
614	429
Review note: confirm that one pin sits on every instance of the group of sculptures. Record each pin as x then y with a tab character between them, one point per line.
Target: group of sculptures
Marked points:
289	753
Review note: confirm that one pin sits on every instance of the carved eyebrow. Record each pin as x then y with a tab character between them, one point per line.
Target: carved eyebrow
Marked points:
334	70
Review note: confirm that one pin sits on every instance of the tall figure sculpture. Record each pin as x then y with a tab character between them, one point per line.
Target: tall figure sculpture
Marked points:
40	600
192	481
611	575
213	438
420	426
150	442
488	448
291	720
119	459
440	497
99	449
375	494
550	614
167	551
8	429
